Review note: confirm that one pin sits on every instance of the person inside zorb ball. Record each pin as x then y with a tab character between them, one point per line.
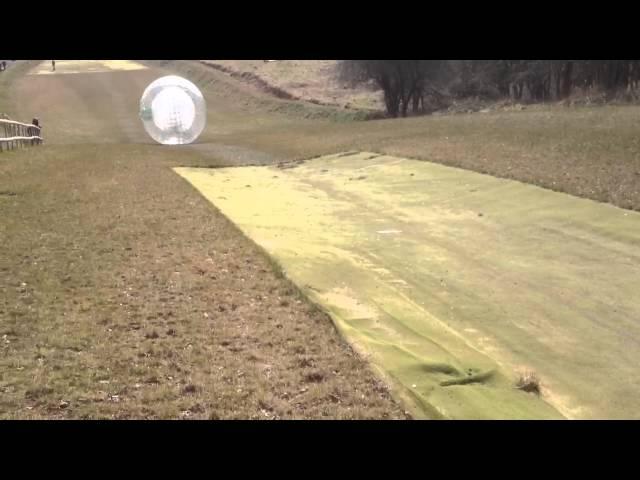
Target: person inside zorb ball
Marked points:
173	111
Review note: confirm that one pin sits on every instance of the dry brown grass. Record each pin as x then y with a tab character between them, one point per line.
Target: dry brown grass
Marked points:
529	382
591	152
309	80
127	295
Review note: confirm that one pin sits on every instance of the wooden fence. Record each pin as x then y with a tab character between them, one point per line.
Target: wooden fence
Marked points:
16	135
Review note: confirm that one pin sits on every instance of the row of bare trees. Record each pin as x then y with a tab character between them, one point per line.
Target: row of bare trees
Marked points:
542	80
403	82
407	83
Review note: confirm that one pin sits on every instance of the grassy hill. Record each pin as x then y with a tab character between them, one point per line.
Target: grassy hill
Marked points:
127	295
307	80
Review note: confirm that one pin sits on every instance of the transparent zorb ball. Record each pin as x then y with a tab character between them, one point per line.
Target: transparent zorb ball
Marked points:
173	111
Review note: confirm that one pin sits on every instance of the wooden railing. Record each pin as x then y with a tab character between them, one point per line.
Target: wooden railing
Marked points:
15	135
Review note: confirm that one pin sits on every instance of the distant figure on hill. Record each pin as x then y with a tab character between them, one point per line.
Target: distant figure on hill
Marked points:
36	133
53	65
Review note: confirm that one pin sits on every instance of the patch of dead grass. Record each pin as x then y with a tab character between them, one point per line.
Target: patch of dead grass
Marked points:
130	296
529	382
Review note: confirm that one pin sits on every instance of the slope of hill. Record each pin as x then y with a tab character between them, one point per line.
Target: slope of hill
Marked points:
309	80
125	295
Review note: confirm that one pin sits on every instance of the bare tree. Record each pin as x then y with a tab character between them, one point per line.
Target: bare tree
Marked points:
406	83
403	82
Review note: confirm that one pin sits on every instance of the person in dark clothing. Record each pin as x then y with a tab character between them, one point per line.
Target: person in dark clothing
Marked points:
36	133
53	65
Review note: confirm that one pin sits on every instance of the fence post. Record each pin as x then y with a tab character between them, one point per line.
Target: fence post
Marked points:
15	135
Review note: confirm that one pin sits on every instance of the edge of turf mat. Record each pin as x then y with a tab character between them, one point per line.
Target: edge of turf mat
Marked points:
413	403
456	397
454	282
435	371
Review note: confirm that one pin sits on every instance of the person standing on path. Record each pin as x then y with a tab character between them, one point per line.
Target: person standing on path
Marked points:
53	65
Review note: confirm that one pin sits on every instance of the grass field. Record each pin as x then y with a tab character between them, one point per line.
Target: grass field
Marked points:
126	295
591	152
309	80
452	282
129	296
